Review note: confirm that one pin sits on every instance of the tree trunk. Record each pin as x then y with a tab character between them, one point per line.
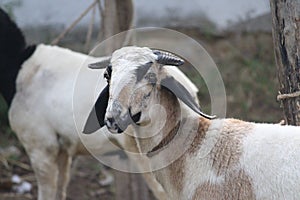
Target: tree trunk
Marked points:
286	36
118	17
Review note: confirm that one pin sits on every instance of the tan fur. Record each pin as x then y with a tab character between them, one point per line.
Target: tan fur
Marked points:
202	129
124	94
173	114
177	173
131	146
222	153
237	186
177	167
228	149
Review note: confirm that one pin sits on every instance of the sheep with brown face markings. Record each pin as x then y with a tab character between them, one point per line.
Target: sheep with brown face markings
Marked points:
38	84
224	158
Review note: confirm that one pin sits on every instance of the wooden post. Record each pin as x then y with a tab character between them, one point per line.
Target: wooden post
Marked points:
118	17
286	36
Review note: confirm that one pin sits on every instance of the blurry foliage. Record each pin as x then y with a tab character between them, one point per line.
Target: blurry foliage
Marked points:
246	63
5	132
3	112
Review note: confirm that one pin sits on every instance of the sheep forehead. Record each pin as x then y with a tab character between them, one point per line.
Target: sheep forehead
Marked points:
130	58
124	63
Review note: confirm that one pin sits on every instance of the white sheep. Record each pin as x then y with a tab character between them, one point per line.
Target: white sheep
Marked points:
41	110
220	158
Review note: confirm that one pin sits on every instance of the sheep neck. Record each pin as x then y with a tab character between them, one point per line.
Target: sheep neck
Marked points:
167	133
165	141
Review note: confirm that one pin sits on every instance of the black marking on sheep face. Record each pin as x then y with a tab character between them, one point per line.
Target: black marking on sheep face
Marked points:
117	121
107	73
13	53
96	118
122	124
142	70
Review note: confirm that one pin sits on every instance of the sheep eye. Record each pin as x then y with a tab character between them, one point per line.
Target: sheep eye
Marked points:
107	73
146	96
151	77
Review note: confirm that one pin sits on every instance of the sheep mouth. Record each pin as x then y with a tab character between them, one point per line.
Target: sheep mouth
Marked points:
115	130
121	125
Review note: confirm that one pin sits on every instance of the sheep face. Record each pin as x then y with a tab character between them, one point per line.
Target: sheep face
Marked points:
131	87
136	77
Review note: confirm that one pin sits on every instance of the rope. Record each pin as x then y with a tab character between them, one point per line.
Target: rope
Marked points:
287	96
68	29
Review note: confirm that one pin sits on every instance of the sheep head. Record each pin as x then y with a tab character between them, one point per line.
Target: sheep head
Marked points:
135	77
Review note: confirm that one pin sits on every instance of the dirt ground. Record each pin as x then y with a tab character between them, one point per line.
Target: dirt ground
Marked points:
84	184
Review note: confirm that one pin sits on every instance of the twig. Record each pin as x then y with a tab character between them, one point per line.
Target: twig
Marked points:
286	96
14	195
68	29
19	164
29	177
4	161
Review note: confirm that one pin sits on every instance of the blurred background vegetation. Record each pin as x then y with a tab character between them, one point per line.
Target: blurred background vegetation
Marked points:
245	60
246	63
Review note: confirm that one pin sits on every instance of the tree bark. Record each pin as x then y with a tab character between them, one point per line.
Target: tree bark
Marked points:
118	17
286	37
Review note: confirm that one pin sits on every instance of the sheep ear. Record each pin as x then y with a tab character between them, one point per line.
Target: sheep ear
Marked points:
96	117
182	93
101	64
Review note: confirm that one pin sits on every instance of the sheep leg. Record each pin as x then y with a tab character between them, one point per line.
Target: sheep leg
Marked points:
42	152
46	172
64	166
155	186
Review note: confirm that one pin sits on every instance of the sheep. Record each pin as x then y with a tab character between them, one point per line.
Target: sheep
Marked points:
37	82
219	158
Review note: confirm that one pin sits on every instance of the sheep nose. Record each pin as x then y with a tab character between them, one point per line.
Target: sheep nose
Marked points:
112	125
110	122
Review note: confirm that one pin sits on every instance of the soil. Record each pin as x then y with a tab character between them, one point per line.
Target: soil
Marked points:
84	183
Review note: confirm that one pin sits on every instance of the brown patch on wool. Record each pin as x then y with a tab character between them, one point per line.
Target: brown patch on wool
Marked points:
172	115
130	144
237	186
123	95
228	148
201	132
81	149
176	170
165	141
